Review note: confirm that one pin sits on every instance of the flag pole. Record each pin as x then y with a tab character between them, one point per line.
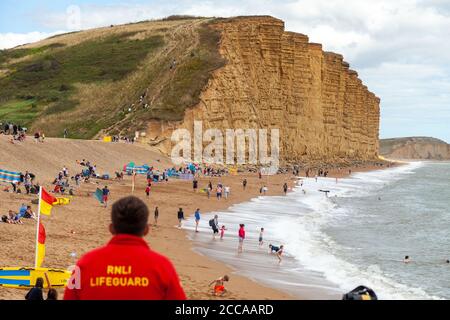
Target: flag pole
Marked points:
37	228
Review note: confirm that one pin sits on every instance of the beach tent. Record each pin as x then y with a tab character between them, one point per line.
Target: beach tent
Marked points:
107	139
129	168
172	173
9	176
186	176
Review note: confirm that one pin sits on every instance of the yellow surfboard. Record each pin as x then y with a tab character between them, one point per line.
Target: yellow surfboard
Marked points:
19	277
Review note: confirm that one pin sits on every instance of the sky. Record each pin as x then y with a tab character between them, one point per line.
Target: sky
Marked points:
399	48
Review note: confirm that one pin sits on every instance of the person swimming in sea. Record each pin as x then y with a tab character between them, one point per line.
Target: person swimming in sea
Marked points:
406	259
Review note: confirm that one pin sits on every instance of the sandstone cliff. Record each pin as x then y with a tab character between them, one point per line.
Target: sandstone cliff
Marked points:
415	148
278	79
155	76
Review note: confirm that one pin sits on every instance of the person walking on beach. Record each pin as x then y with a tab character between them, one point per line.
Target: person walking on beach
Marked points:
208	192
244	184
219	192
285	188
156	215
105	194
147	190
195	185
261	233
264	190
226	192
125	268
180	216
197	219
241	234
214	224
222	232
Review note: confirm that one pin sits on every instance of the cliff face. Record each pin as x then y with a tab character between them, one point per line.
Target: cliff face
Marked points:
415	148
278	79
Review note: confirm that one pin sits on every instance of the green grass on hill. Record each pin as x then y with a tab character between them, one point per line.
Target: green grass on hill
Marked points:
190	78
9	54
49	77
22	112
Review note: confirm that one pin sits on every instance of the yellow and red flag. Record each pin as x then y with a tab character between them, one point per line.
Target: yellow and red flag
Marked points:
40	254
46	202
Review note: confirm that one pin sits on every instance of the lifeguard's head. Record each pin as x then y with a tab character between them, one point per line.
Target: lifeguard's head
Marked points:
129	215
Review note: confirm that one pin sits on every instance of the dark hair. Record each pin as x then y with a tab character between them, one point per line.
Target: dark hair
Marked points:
52	294
39	283
129	215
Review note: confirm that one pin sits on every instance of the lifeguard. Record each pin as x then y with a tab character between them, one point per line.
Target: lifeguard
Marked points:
126	268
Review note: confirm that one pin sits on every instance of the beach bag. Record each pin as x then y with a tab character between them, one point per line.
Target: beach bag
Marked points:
211	223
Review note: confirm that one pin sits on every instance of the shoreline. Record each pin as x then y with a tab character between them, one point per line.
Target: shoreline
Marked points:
83	225
276	292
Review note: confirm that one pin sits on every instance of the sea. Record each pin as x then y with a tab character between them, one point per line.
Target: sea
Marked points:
356	234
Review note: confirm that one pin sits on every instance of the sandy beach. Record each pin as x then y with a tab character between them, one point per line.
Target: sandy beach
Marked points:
83	224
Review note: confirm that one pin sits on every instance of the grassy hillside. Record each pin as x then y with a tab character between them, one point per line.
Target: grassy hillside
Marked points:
93	80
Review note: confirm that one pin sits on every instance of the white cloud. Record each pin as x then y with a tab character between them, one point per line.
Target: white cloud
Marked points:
11	40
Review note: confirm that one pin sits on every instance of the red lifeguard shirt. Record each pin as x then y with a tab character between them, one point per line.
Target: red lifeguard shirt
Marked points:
126	269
